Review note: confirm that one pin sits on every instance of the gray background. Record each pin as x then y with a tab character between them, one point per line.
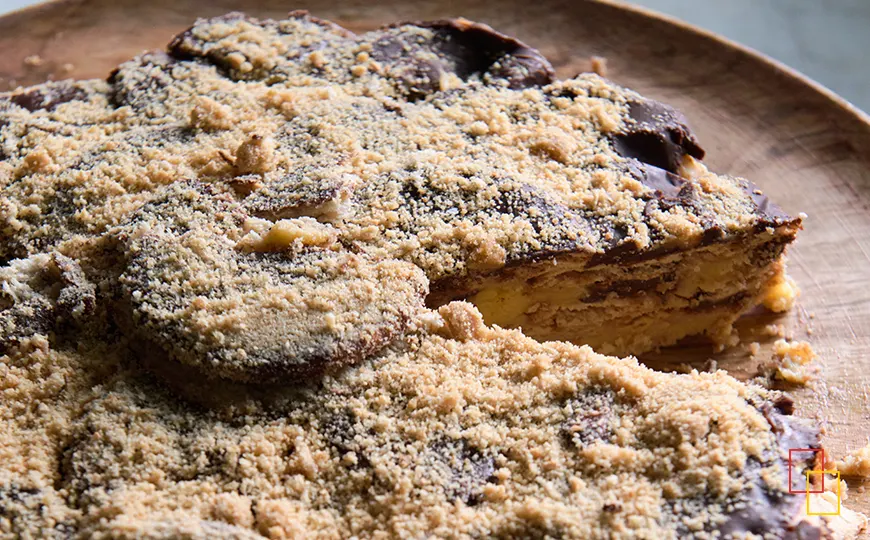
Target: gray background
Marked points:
828	40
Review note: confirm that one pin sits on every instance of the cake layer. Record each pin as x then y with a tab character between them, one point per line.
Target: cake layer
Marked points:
444	144
631	304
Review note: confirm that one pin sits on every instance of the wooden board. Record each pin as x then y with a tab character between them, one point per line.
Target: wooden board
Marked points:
804	146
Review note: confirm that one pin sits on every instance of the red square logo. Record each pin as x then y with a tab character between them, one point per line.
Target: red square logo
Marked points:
794	453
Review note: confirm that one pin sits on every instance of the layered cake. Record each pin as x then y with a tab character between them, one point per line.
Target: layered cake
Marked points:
259	286
574	209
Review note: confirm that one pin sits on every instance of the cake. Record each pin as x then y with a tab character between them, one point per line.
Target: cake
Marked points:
574	209
259	286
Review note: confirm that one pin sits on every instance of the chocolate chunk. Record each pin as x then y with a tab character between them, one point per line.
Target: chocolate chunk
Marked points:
591	419
301	192
19	508
760	511
806	531
541	211
45	295
419	61
792	433
784	405
665	184
188	45
341	429
141	83
658	136
769	512
47	96
464	469
77	297
770	213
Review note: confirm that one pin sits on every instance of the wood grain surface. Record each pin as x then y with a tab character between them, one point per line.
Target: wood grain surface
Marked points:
809	150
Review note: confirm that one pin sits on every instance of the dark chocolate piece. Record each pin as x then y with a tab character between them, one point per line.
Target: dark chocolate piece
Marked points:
47	96
19	504
341	429
465	470
772	513
460	47
758	510
771	213
658	140
187	46
286	340
300	192
665	184
591	420
50	300
137	83
659	136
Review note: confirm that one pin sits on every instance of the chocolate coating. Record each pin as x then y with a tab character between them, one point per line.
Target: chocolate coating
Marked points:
46	97
591	420
658	139
460	47
659	136
771	213
665	183
45	295
188	45
773	513
463	469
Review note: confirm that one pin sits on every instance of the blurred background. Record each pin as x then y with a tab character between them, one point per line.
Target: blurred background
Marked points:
828	40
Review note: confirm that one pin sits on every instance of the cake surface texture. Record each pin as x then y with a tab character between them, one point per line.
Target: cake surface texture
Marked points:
270	283
574	209
459	430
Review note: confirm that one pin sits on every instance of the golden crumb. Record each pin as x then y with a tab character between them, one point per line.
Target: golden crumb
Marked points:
774	330
781	294
255	155
791	362
34	60
754	348
856	463
599	65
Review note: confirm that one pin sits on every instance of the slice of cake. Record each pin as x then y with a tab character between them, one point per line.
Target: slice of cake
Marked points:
456	430
575	209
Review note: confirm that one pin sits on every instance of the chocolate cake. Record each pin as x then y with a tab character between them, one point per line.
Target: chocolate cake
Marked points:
575	209
228	304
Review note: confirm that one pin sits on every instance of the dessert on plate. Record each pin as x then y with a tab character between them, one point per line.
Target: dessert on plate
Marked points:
232	300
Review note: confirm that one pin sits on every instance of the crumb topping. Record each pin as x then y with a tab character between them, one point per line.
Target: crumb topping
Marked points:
414	142
856	463
461	429
791	363
267	203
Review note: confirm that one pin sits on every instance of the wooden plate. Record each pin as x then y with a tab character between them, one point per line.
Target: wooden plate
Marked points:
804	146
